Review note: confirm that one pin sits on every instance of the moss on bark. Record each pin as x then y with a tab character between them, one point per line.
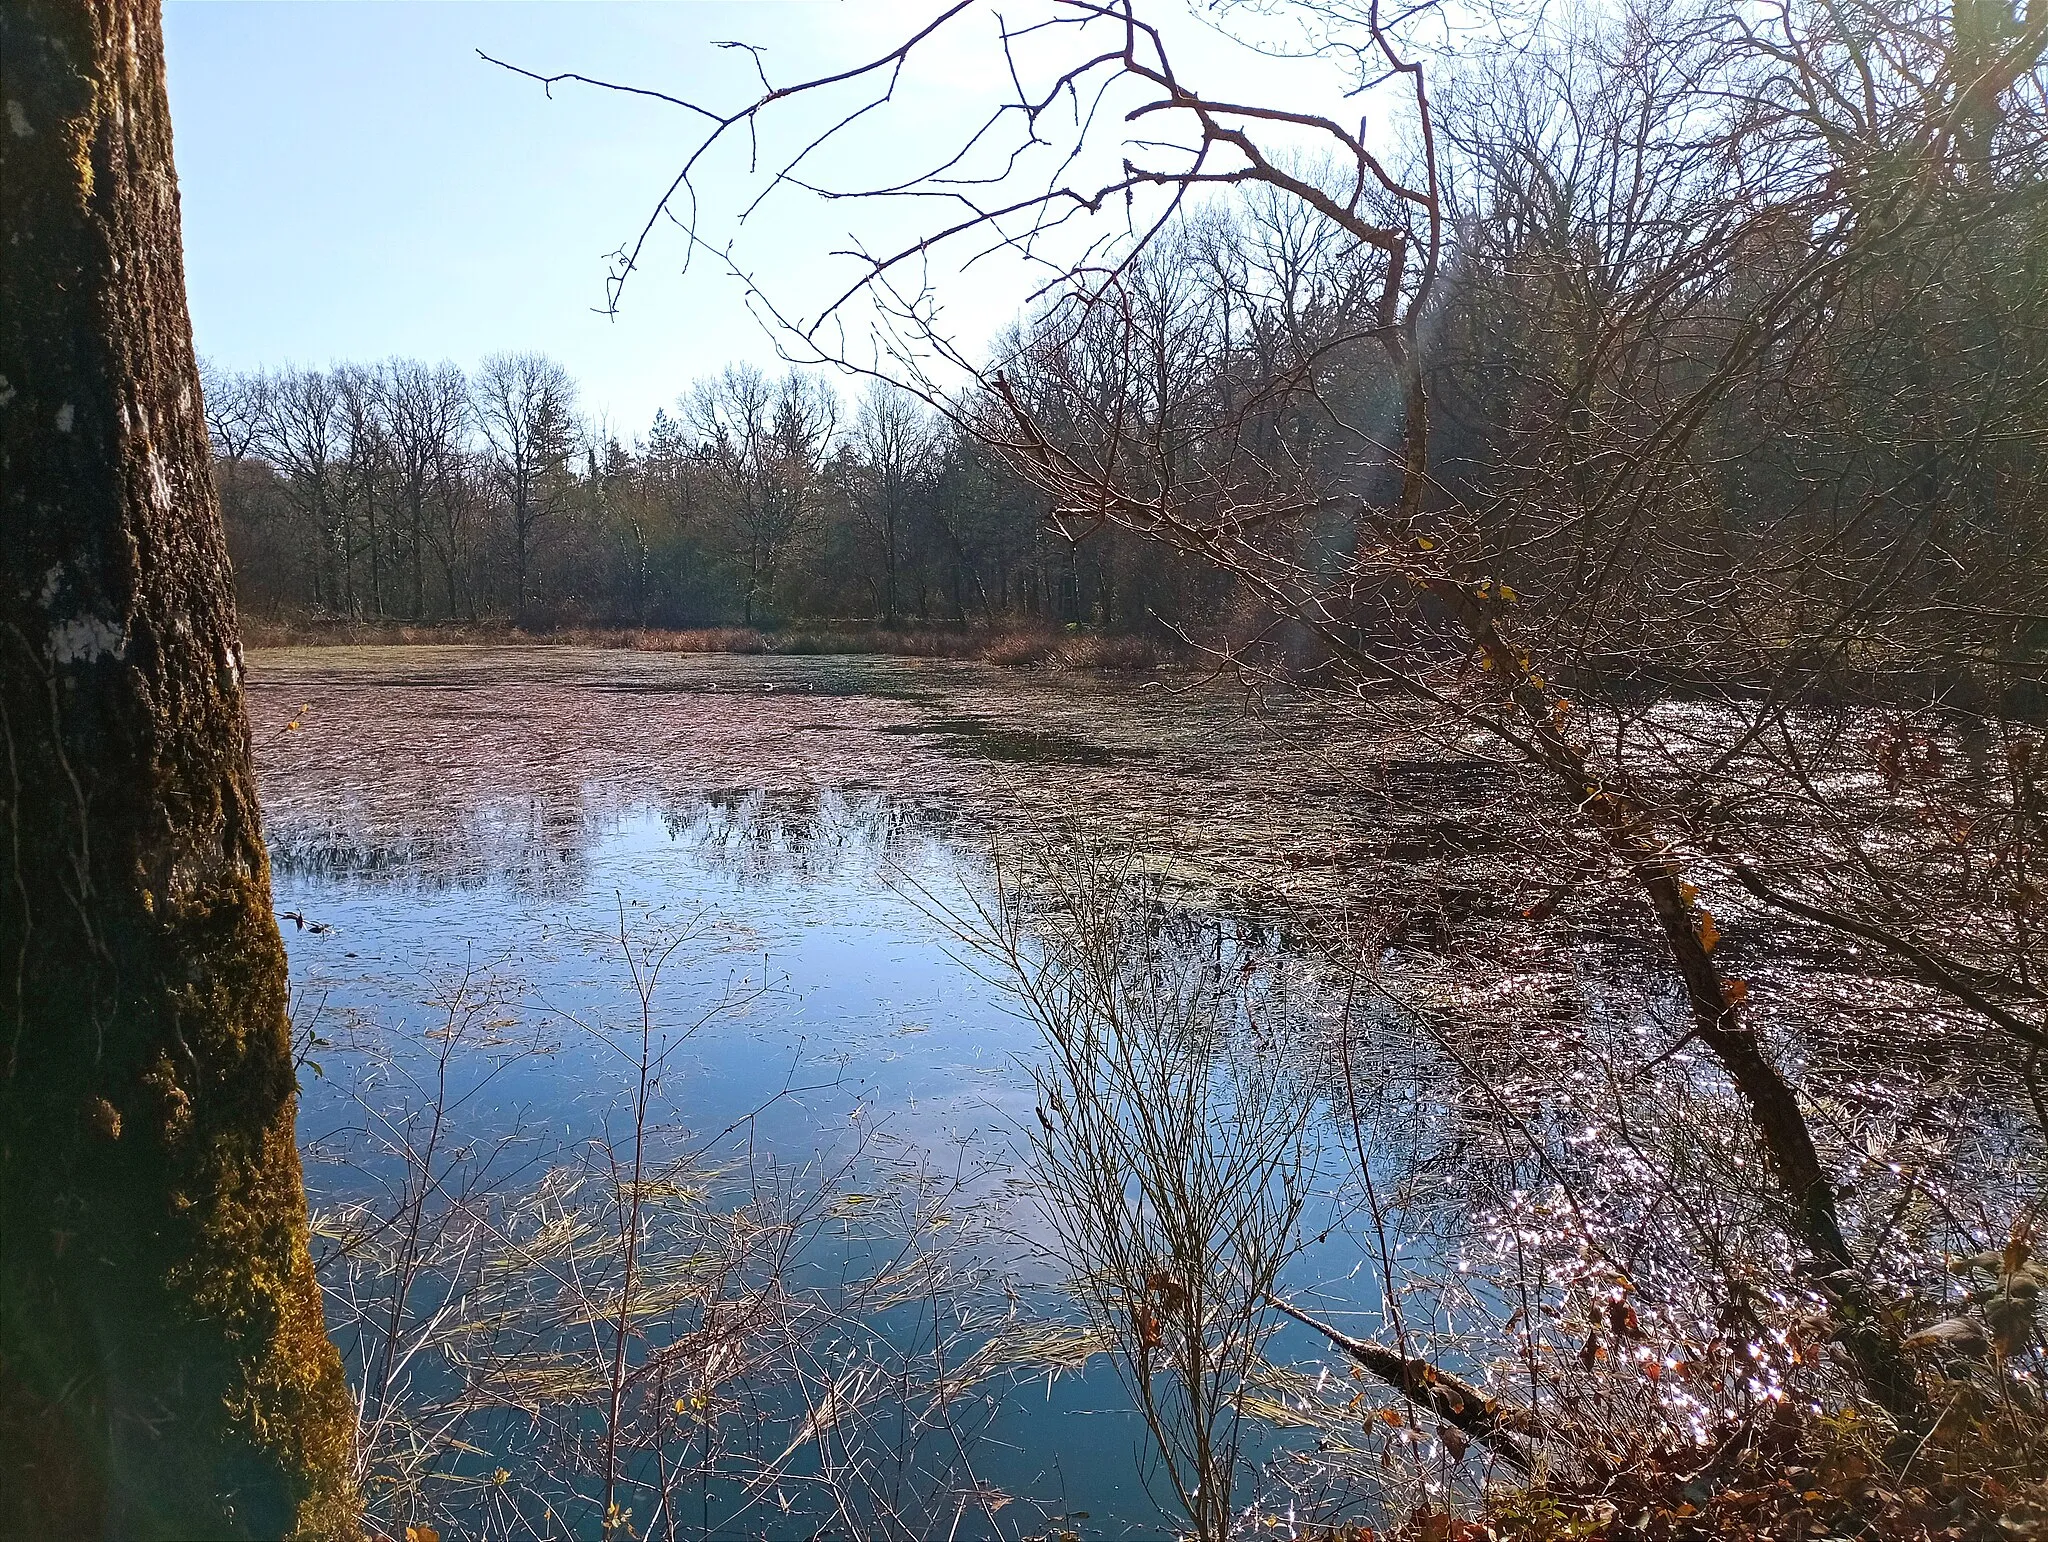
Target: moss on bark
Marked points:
164	1369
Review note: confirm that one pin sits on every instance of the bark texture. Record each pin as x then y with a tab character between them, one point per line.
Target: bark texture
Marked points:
164	1368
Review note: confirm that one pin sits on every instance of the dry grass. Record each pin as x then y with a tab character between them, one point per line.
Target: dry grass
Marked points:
1019	650
586	1339
1091	652
1010	649
1111	654
717	639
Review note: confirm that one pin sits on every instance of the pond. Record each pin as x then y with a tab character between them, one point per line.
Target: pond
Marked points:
459	838
688	1129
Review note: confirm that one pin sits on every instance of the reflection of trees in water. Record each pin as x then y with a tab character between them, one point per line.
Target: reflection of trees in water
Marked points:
1172	1156
543	845
1537	1182
1191	1158
537	845
806	833
1560	1195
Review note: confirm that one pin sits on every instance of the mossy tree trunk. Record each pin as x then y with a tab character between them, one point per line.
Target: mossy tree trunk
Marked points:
164	1369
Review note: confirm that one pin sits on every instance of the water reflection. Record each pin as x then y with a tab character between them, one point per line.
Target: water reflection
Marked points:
864	1279
833	1196
1174	1156
538	847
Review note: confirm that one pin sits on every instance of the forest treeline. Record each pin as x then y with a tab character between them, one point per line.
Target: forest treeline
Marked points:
417	492
1632	346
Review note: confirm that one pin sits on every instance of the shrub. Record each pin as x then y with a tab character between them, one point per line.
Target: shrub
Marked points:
1019	650
1109	653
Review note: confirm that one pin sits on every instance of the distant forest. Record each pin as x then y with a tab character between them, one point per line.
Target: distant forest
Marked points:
415	492
1645	395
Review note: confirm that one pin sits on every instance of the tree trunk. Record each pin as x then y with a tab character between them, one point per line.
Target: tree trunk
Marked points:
164	1370
519	534
892	616
419	559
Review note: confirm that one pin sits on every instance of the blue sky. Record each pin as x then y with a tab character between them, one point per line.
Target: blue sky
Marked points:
358	184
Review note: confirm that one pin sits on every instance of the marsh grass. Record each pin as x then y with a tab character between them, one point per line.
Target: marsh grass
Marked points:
1011	647
648	1332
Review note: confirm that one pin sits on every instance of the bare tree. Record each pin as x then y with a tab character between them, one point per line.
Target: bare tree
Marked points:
1703	227
302	434
364	470
893	449
427	420
525	406
767	444
236	408
1171	1151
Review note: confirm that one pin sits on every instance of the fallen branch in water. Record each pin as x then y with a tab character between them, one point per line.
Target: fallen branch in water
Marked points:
1450	1398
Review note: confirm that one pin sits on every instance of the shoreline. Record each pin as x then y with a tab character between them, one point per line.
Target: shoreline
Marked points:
1013	648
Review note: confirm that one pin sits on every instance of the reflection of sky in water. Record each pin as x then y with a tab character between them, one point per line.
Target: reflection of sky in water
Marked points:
493	814
873	1024
494	811
865	1003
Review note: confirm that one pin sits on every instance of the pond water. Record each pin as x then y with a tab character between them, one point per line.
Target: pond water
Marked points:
830	1129
459	838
